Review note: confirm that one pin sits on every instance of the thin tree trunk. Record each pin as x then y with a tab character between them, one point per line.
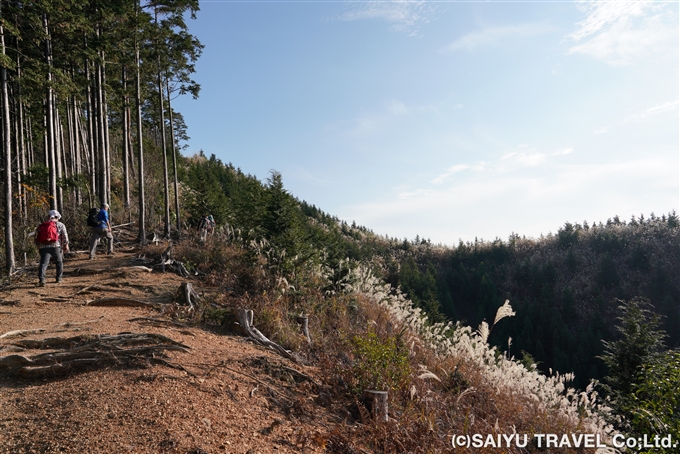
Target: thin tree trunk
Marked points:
92	167
58	156
140	148
105	131
7	148
101	140
126	142
166	188
174	159
50	149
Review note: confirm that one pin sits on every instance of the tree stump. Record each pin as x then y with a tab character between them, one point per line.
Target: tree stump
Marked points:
187	296
376	401
245	319
303	321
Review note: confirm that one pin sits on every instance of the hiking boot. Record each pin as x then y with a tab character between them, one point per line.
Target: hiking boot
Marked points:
41	283
59	280
92	257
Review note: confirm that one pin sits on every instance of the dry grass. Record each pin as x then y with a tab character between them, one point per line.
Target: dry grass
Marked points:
455	383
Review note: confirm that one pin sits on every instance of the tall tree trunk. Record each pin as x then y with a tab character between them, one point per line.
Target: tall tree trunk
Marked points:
51	142
105	121
101	140
174	159
140	147
7	149
126	142
92	167
166	188
58	156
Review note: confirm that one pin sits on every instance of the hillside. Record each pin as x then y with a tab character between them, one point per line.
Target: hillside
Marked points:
222	394
201	388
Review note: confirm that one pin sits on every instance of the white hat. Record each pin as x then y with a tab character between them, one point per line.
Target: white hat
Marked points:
55	214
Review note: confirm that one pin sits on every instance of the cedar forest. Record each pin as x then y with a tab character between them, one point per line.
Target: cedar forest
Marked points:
87	117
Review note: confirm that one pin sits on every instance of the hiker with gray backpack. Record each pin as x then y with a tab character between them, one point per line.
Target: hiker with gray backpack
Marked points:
101	227
52	241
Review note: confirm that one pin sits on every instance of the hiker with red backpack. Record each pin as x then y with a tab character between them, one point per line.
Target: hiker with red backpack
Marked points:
52	241
101	229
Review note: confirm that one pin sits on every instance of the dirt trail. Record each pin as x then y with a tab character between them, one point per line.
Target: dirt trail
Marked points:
223	394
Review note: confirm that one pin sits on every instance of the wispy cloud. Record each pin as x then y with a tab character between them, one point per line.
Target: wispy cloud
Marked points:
618	32
455	169
529	159
602	130
564	152
403	16
653	111
492	35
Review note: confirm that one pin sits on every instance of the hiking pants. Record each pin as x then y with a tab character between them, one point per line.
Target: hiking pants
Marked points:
45	254
98	233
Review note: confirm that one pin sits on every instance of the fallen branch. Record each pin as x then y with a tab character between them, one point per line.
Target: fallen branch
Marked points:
125	302
86	322
139	268
21	333
10	303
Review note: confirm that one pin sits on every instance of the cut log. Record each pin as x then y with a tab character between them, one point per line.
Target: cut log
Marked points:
125	302
245	319
376	401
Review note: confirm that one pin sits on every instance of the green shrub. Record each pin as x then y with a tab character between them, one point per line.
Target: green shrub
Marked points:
379	365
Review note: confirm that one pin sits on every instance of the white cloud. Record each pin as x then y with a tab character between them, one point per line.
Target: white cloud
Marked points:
529	204
564	152
618	32
404	16
530	159
603	130
480	166
652	111
491	35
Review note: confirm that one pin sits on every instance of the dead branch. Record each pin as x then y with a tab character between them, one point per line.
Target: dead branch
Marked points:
86	322
139	268
301	375
10	303
21	333
108	302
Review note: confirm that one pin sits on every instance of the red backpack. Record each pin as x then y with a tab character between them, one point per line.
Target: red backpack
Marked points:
47	232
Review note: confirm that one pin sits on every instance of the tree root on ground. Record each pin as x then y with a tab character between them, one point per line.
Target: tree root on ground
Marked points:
79	351
126	302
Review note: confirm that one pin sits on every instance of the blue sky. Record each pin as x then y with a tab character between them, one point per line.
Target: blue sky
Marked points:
448	120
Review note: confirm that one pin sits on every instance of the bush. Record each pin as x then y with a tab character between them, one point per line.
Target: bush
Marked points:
379	365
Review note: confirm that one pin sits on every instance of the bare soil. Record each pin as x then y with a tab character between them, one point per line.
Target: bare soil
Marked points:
223	395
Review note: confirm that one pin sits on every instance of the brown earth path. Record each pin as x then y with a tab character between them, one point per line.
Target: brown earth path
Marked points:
231	397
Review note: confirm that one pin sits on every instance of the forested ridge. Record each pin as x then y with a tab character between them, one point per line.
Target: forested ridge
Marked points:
565	287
